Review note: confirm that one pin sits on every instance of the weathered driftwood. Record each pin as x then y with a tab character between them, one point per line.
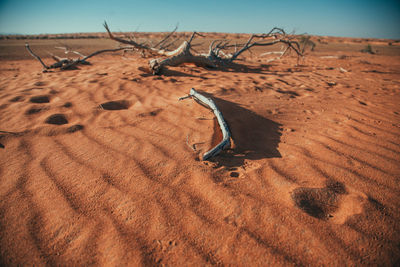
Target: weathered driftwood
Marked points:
217	54
68	63
226	135
180	56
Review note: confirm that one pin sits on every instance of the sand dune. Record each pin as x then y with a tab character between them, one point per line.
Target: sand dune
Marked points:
101	165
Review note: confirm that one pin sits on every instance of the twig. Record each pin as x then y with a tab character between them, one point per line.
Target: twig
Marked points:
167	37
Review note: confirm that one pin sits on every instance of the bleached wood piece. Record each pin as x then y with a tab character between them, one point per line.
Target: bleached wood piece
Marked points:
226	135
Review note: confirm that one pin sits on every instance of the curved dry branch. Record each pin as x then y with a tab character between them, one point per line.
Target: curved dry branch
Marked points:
274	38
194	34
226	134
123	41
104	51
35	56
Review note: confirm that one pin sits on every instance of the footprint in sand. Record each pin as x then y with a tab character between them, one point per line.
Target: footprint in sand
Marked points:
40	99
67	105
57	119
234	174
17	99
39	84
291	94
34	110
115	105
151	113
74	128
333	202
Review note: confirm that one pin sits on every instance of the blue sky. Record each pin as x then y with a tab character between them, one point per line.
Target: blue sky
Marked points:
357	18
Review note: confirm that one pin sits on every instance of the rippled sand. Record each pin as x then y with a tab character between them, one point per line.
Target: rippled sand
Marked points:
101	165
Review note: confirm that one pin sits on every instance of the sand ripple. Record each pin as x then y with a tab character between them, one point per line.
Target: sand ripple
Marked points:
104	168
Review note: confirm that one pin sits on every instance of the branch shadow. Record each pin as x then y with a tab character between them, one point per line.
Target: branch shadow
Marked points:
175	73
238	67
166	72
254	136
235	67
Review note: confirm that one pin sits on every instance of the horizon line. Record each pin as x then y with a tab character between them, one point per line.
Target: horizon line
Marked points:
218	32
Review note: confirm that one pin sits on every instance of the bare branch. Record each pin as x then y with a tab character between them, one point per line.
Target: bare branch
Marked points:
112	37
71	64
151	49
166	37
66	63
104	51
276	38
35	56
193	36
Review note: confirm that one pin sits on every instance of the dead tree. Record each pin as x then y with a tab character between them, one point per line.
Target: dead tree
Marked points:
217	55
69	63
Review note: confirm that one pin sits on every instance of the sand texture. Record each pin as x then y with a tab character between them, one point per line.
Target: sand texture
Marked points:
100	165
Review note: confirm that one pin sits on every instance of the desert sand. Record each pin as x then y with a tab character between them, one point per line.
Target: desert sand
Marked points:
101	165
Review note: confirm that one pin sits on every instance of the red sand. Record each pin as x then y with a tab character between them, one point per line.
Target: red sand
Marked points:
313	178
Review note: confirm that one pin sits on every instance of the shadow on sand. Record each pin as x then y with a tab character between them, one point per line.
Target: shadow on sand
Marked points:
254	136
167	72
233	67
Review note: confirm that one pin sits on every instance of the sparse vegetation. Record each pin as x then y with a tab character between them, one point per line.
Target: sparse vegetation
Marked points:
305	40
368	49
